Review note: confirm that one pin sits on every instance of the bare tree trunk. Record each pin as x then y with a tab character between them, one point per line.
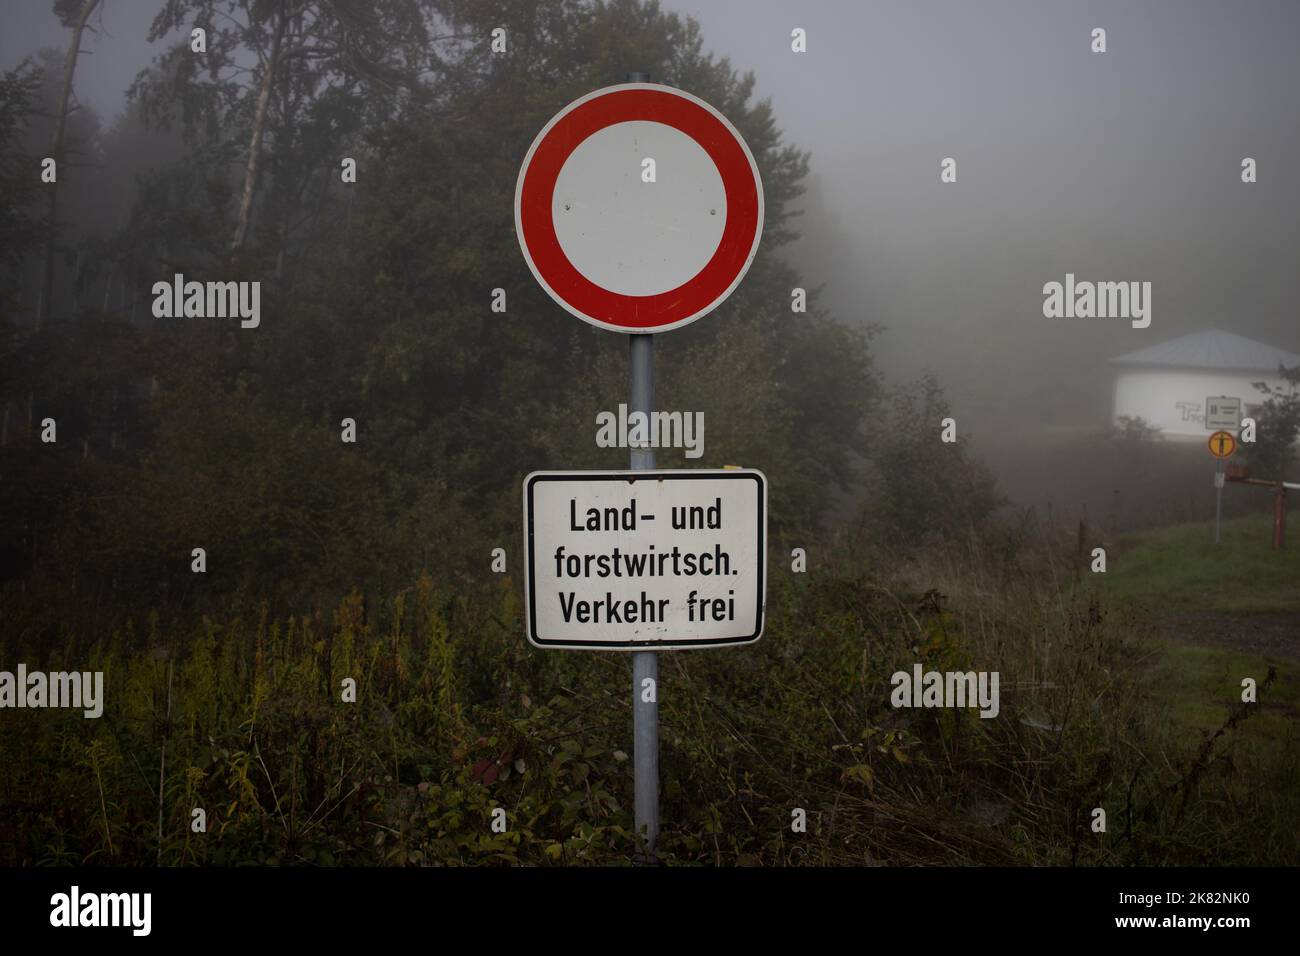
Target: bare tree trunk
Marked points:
162	760
77	276
255	144
108	289
56	151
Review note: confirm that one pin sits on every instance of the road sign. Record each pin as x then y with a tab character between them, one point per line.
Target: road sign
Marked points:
1222	444
639	208
1223	412
636	560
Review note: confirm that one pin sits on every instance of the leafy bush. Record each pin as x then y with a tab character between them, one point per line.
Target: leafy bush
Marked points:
922	488
1278	428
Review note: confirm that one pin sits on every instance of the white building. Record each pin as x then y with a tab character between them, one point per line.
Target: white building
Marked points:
1167	384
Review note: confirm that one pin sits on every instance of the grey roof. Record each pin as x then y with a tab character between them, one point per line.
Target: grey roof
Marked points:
1212	348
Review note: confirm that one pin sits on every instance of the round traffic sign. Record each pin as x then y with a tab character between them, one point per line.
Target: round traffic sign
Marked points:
639	208
1222	444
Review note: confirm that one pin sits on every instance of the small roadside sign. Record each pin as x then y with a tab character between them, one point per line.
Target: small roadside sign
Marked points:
1222	444
1222	412
637	560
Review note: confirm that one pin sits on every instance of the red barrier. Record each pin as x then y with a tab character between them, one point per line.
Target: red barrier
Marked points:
1237	473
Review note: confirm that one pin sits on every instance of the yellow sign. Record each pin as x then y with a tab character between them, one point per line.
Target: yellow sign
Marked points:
1222	444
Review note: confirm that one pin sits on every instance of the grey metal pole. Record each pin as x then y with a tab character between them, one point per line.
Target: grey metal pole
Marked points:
645	664
1218	499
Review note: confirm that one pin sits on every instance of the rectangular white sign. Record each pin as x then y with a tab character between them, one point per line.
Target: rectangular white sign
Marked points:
645	560
1222	412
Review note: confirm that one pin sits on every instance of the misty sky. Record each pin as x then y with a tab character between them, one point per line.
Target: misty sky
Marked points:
1116	166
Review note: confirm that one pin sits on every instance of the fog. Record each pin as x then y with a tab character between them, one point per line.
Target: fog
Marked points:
1115	166
1121	166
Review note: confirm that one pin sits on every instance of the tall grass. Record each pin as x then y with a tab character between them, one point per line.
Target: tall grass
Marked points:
456	715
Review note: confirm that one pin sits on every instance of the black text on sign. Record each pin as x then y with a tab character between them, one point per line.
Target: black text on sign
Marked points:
645	559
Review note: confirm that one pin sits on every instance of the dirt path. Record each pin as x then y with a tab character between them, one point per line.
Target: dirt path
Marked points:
1264	634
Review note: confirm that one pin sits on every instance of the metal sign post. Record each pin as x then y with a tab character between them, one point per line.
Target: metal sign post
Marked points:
645	664
1218	499
1221	444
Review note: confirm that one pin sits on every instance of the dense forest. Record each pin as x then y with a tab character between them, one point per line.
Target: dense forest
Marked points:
371	559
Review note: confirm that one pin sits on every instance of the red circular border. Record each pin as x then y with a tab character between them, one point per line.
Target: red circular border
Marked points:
738	235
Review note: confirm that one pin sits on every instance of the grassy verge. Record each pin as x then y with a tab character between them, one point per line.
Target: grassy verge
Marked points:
456	715
1181	568
1199	691
1199	687
1178	574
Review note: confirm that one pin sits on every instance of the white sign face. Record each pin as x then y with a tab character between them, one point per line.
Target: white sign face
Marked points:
1222	413
629	236
645	560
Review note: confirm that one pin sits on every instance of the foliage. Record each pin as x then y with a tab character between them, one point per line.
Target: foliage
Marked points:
456	716
1133	429
375	302
19	228
923	487
1278	427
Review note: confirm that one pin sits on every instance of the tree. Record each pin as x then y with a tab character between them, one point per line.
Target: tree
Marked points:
306	51
375	297
75	16
434	235
19	228
1278	427
924	487
1133	429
